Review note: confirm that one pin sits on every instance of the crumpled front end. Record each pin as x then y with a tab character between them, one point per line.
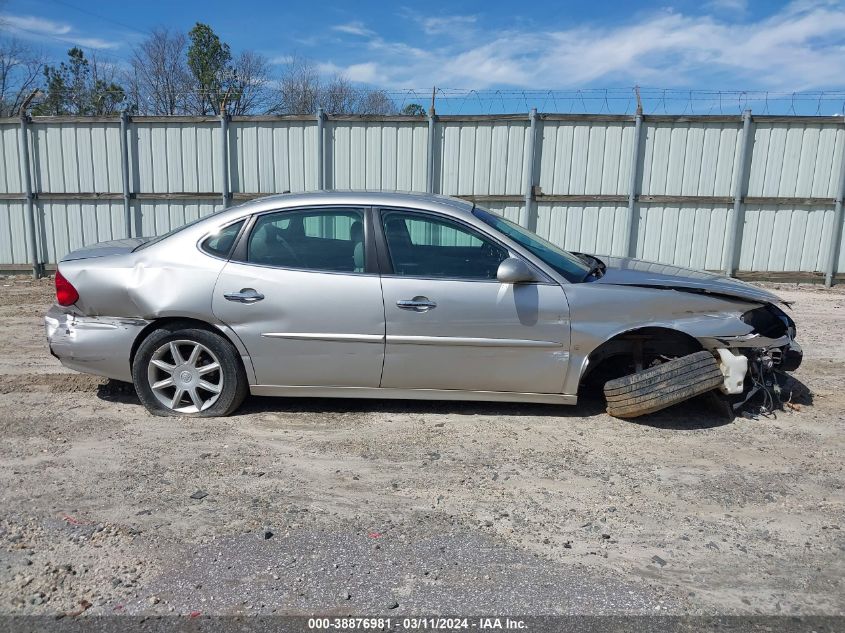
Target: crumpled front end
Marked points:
752	362
93	345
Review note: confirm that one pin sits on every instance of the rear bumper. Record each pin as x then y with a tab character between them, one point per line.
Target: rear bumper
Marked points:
92	345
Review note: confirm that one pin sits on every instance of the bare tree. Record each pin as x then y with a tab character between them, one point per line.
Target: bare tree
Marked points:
302	91
20	73
299	88
376	102
159	80
248	85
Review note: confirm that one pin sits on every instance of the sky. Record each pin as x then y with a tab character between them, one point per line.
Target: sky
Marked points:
768	45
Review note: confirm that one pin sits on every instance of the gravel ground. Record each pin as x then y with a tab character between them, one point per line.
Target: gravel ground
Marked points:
351	506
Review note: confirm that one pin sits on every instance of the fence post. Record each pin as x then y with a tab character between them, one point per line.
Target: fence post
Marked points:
321	161
124	166
836	230
630	242
530	207
224	157
30	207
740	178
429	174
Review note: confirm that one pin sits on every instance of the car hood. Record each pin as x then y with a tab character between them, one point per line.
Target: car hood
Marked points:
104	249
626	271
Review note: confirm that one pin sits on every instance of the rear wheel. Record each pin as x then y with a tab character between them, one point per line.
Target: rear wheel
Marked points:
662	386
185	371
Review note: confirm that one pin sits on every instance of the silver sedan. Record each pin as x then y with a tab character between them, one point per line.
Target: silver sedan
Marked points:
399	295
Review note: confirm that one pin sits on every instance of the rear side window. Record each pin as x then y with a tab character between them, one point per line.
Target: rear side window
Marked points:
220	244
319	239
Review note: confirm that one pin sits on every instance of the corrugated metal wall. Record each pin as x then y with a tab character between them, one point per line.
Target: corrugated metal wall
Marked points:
686	176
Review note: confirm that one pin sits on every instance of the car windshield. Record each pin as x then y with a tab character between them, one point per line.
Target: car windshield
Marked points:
564	262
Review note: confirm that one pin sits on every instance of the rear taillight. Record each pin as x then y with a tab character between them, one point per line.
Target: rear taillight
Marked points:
66	294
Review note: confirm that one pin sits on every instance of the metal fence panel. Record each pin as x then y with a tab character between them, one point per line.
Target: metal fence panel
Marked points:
481	157
796	160
585	158
683	235
785	238
10	171
686	171
271	157
14	247
175	157
594	228
690	159
376	155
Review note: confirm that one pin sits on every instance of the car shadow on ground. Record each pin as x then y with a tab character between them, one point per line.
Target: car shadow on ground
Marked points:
703	412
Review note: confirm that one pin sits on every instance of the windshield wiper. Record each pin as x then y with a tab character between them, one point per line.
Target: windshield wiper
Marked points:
597	266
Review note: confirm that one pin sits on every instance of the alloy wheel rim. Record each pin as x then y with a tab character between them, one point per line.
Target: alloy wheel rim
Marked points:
185	376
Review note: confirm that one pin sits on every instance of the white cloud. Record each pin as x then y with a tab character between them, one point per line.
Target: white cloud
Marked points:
446	24
736	6
35	24
33	27
281	60
799	47
353	28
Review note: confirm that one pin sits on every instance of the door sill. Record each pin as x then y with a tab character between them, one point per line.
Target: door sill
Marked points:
409	394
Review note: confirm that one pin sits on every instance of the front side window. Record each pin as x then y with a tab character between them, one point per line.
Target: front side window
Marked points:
319	239
421	245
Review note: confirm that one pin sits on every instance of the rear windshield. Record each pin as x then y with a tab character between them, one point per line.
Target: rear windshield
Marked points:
571	267
159	238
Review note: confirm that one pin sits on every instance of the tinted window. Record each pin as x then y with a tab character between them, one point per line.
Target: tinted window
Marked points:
324	239
428	246
220	244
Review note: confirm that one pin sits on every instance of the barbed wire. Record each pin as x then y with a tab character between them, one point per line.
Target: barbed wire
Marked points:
567	101
624	101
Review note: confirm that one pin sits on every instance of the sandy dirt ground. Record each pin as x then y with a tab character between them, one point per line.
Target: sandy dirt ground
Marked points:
350	506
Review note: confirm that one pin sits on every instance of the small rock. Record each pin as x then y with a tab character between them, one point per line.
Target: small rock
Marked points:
199	494
346	595
267	534
439	424
658	561
605	536
154	600
712	545
393	605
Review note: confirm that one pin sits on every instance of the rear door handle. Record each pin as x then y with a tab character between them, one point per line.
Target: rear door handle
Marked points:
417	304
246	295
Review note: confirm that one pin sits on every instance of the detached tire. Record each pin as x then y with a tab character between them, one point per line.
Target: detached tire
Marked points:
662	386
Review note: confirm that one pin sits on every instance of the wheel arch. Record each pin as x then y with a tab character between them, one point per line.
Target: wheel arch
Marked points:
217	328
623	343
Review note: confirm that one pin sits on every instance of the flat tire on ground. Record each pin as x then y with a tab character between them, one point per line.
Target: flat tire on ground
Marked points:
182	370
662	386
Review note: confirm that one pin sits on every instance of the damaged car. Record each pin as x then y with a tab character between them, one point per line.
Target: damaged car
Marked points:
401	295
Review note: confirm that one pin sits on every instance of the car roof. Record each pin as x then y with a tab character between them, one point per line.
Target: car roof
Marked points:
414	200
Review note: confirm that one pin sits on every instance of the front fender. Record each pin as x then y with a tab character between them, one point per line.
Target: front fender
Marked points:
601	312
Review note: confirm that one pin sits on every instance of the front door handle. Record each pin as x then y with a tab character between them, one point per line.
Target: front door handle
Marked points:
417	304
246	295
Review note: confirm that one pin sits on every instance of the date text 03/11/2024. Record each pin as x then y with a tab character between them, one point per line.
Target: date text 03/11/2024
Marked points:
419	623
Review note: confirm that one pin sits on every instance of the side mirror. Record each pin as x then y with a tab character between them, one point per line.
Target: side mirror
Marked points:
514	271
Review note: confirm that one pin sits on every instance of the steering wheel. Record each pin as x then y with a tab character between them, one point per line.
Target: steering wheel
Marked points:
281	241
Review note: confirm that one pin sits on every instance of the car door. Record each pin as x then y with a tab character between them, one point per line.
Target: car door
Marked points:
451	325
300	294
